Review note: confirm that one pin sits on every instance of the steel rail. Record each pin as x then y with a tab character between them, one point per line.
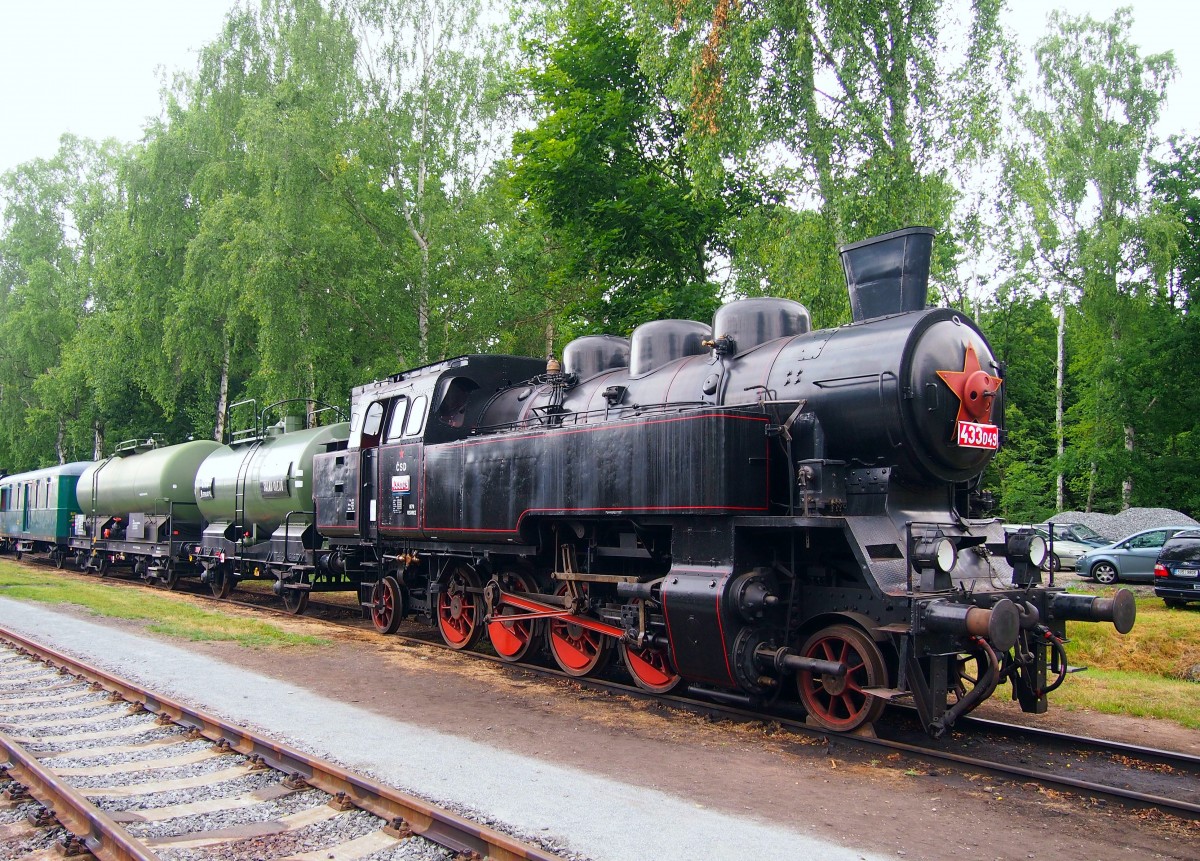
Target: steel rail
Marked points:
1173	758
932	755
103	837
401	810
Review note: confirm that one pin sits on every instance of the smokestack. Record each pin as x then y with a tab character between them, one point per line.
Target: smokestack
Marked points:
888	274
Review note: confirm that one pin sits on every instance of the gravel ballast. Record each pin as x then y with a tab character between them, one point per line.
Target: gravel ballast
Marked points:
597	817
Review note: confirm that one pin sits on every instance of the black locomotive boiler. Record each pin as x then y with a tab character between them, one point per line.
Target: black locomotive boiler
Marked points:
755	509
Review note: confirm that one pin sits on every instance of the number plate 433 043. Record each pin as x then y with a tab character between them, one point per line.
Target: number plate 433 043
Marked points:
975	435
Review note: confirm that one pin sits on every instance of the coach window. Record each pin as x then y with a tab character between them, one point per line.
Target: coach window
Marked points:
5	501
396	424
416	416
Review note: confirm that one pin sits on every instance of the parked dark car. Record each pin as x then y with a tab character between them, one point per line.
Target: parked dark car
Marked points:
1131	558
1177	572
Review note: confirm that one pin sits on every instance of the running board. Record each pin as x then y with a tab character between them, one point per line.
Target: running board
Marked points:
887	693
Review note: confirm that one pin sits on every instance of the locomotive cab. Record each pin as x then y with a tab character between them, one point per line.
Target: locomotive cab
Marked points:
372	486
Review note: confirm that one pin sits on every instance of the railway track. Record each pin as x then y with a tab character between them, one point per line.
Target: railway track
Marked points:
123	773
1131	775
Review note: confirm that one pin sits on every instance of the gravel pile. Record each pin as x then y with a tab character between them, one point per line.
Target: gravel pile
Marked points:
1114	527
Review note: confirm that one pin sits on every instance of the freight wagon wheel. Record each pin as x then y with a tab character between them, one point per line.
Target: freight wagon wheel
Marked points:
387	605
650	667
459	610
220	580
81	560
170	574
295	601
841	704
103	565
513	640
60	559
578	651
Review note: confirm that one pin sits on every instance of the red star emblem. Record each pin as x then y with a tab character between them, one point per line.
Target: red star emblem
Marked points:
975	389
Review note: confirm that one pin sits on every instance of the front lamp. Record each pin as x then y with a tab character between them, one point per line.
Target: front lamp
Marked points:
1026	552
935	552
1027	546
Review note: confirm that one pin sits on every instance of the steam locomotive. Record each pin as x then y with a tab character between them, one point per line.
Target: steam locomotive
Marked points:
757	510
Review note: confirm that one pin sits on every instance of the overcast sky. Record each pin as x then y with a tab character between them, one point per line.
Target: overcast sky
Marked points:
94	67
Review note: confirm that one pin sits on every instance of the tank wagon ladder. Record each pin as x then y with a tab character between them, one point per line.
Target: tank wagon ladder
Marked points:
239	482
93	563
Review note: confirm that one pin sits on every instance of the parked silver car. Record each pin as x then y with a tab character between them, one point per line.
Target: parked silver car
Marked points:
1077	532
1131	558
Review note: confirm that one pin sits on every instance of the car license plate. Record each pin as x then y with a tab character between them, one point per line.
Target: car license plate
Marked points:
976	435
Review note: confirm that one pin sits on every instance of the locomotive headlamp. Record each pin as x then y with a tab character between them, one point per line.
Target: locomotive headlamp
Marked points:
1026	551
1027	546
934	551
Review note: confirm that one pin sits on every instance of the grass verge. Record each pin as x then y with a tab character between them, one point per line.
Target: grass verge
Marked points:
1148	672
166	615
1133	694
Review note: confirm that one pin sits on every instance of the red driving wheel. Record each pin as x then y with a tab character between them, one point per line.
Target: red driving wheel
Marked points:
577	650
513	639
650	667
459	609
387	605
842	704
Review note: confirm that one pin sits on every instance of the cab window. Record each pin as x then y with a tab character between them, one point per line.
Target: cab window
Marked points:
396	424
372	424
416	416
452	406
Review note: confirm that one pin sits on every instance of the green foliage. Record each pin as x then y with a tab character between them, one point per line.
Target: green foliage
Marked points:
1175	185
1020	326
605	167
861	116
1076	181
